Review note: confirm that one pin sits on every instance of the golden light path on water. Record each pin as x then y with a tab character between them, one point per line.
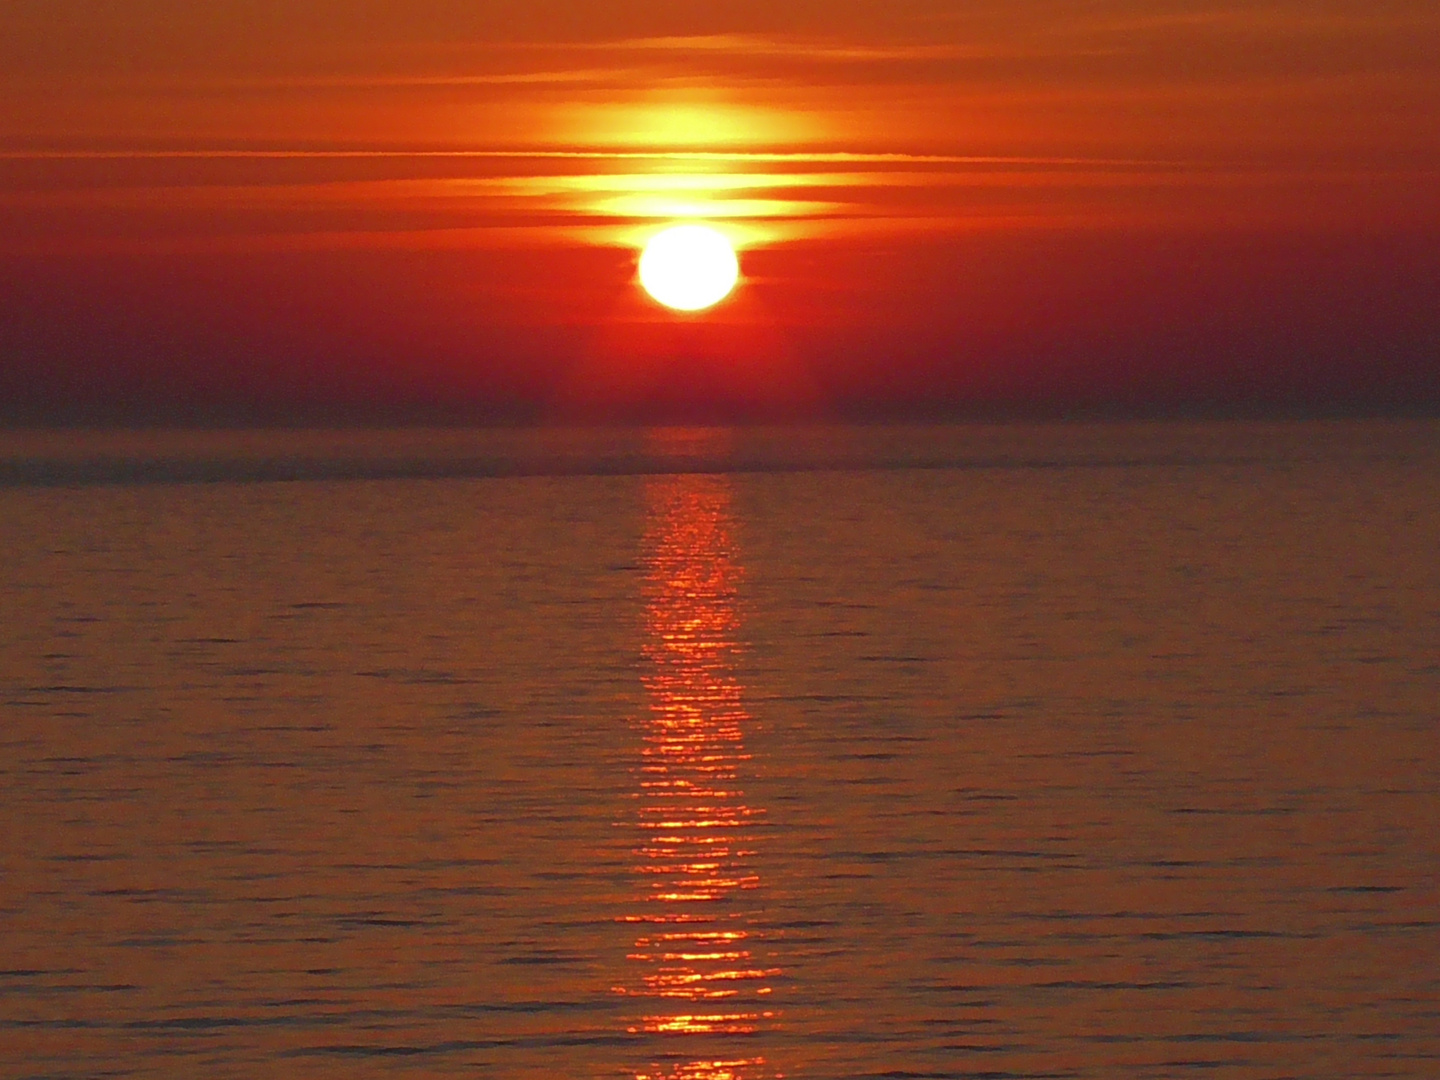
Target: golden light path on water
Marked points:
695	962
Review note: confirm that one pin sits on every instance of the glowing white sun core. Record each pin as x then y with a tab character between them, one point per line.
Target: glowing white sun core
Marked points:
689	267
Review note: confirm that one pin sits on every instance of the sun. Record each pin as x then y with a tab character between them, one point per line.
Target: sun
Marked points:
689	267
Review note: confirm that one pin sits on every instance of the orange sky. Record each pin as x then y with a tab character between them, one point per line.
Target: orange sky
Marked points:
265	209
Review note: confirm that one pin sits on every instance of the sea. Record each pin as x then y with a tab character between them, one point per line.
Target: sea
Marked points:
984	751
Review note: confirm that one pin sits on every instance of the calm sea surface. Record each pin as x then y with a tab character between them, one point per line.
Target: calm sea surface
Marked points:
1068	751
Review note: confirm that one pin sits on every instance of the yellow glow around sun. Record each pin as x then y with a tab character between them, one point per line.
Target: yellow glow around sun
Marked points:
689	267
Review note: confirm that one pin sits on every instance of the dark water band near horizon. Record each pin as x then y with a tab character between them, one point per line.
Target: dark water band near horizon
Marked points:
1075	750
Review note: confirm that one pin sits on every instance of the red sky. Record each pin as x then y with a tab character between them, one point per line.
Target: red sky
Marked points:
432	209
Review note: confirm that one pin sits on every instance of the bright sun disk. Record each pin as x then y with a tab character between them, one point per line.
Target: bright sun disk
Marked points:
689	267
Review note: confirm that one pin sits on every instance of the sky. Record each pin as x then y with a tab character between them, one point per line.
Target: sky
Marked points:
257	211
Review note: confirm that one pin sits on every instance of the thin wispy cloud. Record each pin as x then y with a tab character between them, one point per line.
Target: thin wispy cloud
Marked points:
202	81
801	49
800	156
1287	20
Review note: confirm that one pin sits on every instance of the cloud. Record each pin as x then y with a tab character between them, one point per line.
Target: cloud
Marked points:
796	48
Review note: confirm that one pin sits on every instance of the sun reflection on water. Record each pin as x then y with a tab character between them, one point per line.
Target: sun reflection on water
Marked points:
696	962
